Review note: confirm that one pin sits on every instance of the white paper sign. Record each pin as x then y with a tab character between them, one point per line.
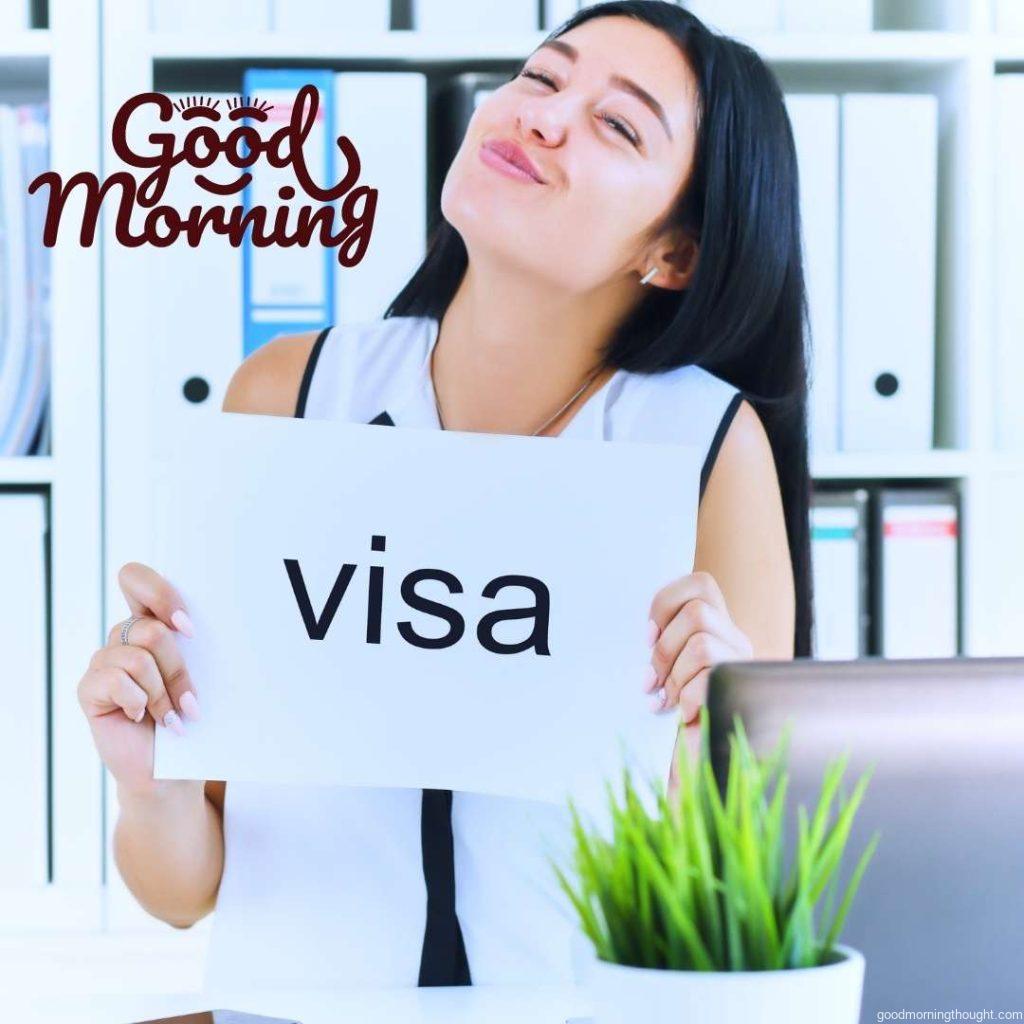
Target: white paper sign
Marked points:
598	526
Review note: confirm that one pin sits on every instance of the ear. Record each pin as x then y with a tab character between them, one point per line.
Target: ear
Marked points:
676	264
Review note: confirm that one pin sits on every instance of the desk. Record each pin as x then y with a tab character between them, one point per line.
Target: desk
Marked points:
468	1005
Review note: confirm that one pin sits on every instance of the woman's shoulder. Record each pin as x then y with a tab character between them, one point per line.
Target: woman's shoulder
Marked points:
685	403
267	381
694	380
272	379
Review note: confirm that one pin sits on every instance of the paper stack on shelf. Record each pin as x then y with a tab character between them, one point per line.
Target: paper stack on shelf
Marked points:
24	759
839	557
1009	262
24	281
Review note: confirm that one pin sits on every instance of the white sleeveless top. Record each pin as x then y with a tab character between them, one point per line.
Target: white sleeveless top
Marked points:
324	886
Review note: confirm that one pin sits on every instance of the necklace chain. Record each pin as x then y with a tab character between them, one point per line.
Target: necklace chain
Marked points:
551	419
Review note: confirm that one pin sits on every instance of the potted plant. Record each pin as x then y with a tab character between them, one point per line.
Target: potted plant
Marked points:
695	916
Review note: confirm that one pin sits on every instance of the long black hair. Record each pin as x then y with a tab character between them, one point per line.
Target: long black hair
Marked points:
744	315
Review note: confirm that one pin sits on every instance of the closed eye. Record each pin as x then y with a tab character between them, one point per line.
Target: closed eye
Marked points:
620	126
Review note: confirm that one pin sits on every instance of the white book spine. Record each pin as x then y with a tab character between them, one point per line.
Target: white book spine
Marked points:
815	122
827	15
472	16
1009	262
23	725
384	113
317	16
887	264
919	581
835	558
209	15
740	17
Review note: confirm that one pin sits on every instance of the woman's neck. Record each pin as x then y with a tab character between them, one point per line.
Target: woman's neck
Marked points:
510	352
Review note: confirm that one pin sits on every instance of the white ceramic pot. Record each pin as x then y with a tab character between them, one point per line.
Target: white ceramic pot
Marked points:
830	994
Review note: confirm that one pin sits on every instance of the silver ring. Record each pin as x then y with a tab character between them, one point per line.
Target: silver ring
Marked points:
126	627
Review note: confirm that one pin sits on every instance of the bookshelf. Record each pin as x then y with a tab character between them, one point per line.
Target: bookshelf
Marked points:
95	53
60	63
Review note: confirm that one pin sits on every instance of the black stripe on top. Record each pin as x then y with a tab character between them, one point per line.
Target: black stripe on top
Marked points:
443	960
716	441
307	374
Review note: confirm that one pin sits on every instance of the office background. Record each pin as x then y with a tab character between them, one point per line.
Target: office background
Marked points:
913	218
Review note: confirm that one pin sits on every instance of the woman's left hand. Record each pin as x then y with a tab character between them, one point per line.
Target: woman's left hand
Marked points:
691	631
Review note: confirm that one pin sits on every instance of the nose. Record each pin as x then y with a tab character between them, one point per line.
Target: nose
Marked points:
543	119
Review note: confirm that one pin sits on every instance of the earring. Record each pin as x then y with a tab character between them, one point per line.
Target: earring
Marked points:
650	274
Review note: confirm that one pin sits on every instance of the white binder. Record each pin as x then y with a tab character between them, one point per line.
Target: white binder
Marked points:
558	11
917	592
15	16
209	15
1009	16
741	17
815	122
888	200
384	113
24	760
289	289
839	558
827	15
193	332
315	17
472	16
1009	262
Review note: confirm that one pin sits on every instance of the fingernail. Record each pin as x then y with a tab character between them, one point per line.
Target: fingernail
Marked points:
141	715
658	704
652	632
172	721
182	623
650	678
190	706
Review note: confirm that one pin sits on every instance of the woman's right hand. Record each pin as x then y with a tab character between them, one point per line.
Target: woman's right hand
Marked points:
127	689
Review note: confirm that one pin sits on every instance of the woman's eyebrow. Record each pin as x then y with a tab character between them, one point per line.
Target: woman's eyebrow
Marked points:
618	81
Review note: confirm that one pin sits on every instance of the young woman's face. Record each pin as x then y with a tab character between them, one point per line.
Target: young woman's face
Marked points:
610	164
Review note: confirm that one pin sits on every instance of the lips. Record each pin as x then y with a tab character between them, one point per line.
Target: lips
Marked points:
515	155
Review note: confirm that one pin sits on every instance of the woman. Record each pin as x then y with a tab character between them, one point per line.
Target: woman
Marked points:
641	278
